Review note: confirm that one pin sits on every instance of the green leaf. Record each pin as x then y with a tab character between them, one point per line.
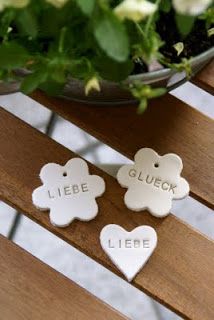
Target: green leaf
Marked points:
27	23
144	92
52	88
157	92
111	70
166	5
5	22
12	55
208	17
32	81
184	65
87	6
80	69
148	47
58	75
56	67
112	37
210	32
184	23
142	105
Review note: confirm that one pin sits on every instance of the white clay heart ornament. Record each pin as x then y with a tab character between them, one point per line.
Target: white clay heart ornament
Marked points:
69	192
129	251
153	181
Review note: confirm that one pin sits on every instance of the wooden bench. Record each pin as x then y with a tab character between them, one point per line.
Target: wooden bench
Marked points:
29	287
180	274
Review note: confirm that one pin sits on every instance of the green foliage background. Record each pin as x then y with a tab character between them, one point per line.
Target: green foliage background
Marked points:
83	39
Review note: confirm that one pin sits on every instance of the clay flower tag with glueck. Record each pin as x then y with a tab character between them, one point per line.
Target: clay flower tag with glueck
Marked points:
153	181
69	192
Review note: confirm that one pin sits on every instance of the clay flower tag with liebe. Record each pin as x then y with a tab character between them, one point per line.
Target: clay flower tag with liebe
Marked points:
153	181
69	192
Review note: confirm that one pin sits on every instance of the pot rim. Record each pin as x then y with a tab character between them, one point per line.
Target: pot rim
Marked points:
149	77
204	56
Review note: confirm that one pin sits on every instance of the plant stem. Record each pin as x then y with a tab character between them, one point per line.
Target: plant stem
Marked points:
141	31
150	19
62	39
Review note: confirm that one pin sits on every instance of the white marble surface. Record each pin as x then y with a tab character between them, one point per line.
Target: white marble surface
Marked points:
70	261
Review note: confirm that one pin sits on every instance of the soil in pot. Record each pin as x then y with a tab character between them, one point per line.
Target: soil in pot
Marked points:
195	43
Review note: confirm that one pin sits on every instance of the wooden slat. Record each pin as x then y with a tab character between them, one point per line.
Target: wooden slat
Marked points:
31	290
205	78
169	125
180	274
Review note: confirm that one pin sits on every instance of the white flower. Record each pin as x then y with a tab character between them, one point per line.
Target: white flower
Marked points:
13	3
57	3
135	10
3	4
18	3
191	7
92	84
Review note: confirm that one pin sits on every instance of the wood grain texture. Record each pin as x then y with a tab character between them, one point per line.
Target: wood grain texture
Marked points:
180	274
168	125
31	290
205	78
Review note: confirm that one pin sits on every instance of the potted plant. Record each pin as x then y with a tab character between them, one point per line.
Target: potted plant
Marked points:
103	50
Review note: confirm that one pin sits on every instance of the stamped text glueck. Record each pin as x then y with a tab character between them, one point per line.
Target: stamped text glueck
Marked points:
149	179
67	190
128	243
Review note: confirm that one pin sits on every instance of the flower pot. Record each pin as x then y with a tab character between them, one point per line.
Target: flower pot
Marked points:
113	93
